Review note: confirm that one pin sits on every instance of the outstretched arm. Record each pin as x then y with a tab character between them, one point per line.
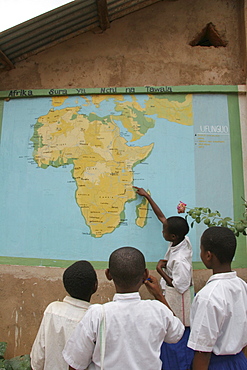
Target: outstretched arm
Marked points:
155	207
154	288
201	360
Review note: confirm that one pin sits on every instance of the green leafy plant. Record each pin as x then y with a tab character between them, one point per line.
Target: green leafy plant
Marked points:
209	218
17	363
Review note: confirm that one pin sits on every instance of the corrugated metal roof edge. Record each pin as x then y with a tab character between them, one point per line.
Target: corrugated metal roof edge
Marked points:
116	9
54	12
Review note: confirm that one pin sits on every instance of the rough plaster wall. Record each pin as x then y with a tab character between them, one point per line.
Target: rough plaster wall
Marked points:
148	47
26	291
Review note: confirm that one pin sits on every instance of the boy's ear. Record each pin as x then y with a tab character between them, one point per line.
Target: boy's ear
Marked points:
145	275
95	286
108	275
209	255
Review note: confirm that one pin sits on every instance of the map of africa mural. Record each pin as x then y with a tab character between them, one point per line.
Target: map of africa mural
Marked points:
69	163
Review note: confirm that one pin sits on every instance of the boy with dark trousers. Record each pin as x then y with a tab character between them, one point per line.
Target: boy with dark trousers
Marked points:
176	281
219	310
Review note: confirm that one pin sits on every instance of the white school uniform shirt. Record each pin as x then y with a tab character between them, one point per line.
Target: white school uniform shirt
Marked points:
219	316
59	320
179	266
135	330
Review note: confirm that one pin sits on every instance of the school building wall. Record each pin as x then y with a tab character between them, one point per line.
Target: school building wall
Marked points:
149	47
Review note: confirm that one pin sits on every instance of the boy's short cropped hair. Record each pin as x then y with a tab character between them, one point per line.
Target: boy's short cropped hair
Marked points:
221	241
127	265
178	226
80	280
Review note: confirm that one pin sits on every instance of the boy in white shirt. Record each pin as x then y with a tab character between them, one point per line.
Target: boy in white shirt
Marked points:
61	318
176	282
219	310
134	328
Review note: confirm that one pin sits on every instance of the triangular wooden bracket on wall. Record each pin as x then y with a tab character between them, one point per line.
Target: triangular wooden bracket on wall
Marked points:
6	61
209	36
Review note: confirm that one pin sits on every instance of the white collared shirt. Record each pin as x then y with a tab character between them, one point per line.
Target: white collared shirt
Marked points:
179	266
59	320
219	316
135	330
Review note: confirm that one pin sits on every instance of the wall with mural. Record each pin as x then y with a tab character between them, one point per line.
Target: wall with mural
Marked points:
183	130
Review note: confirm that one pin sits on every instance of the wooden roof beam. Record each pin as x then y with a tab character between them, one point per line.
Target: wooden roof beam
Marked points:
6	61
102	9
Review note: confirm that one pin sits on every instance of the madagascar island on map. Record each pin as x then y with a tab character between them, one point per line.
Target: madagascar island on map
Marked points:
103	161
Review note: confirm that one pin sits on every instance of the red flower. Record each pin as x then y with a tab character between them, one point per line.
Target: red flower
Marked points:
181	207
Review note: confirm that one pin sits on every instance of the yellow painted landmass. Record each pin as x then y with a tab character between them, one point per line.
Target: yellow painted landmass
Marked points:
61	136
103	163
135	118
97	99
173	111
142	212
88	101
57	101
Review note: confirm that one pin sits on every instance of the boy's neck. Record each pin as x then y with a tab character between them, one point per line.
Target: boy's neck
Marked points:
222	268
132	289
122	291
177	241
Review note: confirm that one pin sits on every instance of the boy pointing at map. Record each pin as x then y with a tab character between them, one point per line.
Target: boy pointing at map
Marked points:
176	282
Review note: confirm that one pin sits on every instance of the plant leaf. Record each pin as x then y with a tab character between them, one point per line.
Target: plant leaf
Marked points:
3	346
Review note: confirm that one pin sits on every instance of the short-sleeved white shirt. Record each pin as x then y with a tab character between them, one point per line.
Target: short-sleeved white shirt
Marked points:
179	266
135	330
59	320
219	316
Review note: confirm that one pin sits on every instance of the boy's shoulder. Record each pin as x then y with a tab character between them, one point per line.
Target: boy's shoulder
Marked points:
182	252
184	246
68	304
136	306
54	306
220	284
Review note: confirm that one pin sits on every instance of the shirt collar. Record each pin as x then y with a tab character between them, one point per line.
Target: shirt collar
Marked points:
222	275
127	296
76	302
184	243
